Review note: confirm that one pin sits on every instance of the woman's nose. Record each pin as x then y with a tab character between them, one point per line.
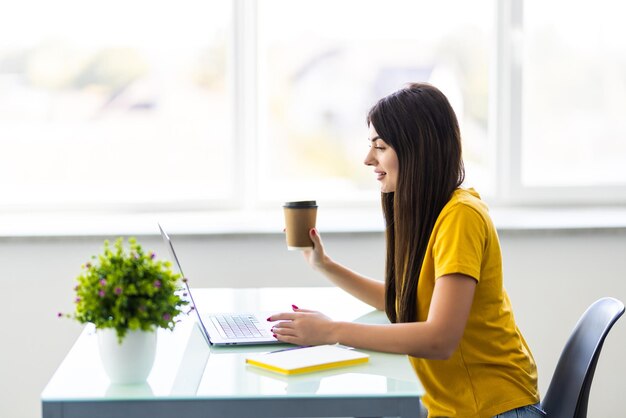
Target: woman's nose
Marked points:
368	158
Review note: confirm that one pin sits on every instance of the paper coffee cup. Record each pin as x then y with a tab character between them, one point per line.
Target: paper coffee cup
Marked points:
299	220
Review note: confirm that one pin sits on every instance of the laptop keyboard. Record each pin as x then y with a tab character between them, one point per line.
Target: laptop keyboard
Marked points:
239	326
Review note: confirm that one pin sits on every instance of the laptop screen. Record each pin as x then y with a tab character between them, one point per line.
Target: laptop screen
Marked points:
168	244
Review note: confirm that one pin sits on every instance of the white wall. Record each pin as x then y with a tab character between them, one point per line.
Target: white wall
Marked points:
551	278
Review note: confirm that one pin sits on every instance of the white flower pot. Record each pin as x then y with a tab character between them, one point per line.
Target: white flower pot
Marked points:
131	361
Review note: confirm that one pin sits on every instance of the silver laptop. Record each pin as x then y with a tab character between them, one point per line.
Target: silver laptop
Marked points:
244	328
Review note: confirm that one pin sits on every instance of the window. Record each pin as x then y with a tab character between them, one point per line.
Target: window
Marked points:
563	65
246	103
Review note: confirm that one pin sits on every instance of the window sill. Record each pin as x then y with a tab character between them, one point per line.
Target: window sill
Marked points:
271	222
518	219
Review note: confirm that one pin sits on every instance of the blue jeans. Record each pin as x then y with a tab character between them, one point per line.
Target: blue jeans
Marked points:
529	411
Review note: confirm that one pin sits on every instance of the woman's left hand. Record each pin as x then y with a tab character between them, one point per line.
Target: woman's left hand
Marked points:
303	327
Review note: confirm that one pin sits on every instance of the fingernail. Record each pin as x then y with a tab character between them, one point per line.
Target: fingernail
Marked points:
269	319
274	335
294	307
313	231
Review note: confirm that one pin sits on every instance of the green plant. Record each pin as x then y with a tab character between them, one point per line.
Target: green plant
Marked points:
128	290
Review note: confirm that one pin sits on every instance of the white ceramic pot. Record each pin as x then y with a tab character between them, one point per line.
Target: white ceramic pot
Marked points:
131	361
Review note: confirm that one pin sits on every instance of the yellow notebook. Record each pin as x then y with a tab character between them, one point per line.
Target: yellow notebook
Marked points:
307	359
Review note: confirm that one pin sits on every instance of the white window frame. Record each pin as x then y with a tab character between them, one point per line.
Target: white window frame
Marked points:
245	115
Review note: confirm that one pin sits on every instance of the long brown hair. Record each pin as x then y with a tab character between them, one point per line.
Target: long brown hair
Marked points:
420	125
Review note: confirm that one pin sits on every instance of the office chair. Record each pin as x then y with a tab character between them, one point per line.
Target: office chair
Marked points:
568	393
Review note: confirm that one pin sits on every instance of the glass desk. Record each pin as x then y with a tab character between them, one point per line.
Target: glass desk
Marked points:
190	379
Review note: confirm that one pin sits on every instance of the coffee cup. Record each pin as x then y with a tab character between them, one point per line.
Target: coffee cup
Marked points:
299	220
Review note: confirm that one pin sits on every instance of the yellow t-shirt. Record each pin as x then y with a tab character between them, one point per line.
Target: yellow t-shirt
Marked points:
492	370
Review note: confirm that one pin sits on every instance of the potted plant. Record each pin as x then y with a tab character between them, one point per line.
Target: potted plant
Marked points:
127	295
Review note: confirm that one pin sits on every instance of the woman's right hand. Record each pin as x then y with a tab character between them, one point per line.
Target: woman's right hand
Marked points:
316	257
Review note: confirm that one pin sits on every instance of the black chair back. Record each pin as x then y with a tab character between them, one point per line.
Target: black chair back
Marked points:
568	393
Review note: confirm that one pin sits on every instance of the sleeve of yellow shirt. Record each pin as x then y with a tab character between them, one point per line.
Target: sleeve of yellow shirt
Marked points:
460	237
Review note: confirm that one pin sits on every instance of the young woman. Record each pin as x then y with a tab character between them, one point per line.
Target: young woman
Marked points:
443	289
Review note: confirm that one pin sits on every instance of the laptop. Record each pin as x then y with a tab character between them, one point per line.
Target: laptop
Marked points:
245	328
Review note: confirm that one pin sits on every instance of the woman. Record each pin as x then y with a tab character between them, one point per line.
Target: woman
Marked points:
443	289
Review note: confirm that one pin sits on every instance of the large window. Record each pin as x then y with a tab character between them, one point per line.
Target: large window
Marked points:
202	104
